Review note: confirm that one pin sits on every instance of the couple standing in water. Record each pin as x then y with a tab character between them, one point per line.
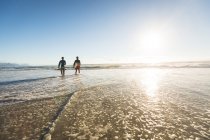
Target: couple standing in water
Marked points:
62	64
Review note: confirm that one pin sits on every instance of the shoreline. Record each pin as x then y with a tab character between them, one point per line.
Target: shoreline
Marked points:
110	105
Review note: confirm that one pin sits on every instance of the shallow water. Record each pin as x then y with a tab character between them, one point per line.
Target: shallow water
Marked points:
147	103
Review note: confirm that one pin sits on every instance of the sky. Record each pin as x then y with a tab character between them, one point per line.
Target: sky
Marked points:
40	32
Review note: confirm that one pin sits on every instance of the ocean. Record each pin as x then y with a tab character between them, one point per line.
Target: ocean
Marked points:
122	101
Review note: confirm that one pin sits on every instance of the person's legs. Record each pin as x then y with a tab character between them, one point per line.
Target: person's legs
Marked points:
75	70
63	71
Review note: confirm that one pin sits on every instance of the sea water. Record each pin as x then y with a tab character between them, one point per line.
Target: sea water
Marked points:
146	103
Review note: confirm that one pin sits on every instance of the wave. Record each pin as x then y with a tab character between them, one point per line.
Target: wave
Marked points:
25	80
147	65
202	64
27	68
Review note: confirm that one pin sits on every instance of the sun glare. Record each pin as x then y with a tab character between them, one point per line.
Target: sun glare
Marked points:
151	40
151	80
151	45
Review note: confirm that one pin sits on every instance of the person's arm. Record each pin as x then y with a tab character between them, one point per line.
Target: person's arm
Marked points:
64	62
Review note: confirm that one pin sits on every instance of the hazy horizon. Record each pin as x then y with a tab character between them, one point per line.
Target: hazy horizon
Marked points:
100	32
186	64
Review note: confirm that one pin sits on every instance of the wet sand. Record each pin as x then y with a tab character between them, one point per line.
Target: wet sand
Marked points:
114	111
122	112
29	120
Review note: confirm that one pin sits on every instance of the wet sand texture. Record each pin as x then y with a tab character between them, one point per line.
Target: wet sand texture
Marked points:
122	112
28	120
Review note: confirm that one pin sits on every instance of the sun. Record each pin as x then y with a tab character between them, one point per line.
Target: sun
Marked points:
151	45
151	39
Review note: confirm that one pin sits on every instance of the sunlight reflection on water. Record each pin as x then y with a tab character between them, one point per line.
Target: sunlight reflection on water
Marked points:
151	81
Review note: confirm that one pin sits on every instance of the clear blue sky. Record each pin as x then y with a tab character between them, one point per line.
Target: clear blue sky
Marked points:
39	32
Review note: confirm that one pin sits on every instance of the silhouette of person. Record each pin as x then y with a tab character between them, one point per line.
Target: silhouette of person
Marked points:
61	65
77	64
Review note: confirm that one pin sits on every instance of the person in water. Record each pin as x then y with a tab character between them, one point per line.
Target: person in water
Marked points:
76	65
61	65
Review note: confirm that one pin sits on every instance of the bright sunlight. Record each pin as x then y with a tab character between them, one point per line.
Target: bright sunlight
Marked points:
152	43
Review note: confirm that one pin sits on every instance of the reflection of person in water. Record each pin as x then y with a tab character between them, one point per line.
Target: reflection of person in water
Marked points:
61	65
76	65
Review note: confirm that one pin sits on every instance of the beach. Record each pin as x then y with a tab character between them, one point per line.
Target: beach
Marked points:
104	70
106	104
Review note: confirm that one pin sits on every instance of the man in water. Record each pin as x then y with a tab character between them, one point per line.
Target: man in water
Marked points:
61	65
76	65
